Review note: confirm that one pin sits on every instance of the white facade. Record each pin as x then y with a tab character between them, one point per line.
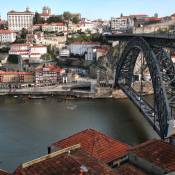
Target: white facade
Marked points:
121	24
91	54
19	20
64	53
94	53
38	49
81	48
54	41
28	51
54	27
7	36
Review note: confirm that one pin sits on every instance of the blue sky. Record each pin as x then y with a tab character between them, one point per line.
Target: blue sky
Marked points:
93	8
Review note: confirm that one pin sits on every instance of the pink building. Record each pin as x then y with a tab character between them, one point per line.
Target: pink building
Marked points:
48	75
29	52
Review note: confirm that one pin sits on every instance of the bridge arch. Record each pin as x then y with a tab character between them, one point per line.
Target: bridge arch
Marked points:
158	116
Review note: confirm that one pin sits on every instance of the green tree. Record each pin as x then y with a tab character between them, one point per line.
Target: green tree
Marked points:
49	49
67	16
46	57
3	26
24	32
75	20
37	19
56	18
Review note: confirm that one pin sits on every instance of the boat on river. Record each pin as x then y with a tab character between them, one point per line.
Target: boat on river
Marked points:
31	97
71	107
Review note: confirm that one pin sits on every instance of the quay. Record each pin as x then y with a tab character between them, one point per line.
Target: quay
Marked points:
78	90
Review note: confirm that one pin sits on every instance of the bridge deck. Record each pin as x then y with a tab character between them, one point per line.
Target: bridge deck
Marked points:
149	37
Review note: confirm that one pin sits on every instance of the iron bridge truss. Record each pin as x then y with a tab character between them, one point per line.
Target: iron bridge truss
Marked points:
162	71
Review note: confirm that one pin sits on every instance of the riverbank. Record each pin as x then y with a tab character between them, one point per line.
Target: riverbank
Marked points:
66	94
96	93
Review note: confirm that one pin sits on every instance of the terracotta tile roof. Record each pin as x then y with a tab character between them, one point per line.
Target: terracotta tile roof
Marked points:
3	172
49	68
67	164
97	144
20	44
130	169
6	31
54	24
152	19
16	73
159	153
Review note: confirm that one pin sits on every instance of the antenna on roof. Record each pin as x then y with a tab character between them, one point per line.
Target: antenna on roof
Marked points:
83	169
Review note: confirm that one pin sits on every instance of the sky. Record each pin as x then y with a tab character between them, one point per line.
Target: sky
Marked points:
93	9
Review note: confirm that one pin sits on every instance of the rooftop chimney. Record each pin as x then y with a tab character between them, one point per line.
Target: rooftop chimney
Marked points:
83	170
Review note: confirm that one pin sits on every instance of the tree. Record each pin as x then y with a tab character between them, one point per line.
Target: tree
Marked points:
24	32
37	19
4	26
49	49
58	18
46	57
67	16
75	20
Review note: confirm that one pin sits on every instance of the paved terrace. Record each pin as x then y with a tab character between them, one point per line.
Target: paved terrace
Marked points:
66	89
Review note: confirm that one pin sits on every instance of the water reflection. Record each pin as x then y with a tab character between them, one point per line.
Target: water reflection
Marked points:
27	127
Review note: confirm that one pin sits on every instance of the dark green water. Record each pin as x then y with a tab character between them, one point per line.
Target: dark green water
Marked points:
28	127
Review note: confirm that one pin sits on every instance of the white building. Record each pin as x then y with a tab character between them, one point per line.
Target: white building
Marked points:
88	25
84	25
91	54
7	36
121	24
54	41
19	20
81	48
94	53
64	53
29	52
38	49
54	27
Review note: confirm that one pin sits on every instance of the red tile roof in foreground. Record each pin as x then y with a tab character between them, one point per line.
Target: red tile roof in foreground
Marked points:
97	144
3	173
159	153
67	164
130	169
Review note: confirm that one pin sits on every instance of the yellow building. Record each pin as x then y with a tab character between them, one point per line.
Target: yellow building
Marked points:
16	77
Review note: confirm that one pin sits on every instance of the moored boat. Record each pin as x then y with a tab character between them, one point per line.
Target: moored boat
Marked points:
36	97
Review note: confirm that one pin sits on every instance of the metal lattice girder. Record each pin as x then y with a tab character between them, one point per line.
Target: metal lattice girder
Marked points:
158	116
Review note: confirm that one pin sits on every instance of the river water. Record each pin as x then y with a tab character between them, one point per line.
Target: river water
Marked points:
27	127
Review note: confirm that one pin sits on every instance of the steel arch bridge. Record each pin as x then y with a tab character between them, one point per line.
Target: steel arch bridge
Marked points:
156	57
